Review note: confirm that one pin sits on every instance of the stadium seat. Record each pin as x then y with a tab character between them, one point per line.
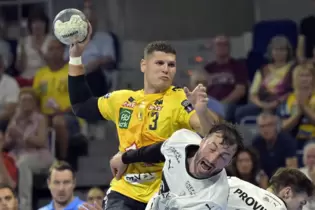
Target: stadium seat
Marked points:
262	33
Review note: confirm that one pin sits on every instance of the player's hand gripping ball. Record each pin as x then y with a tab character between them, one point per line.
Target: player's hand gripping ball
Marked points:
70	26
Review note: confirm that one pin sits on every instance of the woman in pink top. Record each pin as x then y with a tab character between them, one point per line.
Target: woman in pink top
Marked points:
27	138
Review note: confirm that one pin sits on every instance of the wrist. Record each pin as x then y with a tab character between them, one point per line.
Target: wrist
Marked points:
76	61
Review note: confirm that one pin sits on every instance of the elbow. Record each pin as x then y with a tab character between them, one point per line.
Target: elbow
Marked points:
77	110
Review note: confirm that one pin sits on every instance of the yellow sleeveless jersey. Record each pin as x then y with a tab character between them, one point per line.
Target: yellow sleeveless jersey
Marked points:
143	120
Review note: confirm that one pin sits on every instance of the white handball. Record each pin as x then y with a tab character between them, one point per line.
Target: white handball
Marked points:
70	26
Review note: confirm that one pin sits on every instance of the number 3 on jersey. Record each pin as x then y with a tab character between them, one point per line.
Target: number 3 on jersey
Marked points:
154	119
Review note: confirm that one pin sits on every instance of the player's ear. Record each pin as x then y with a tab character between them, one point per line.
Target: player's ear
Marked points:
287	192
143	65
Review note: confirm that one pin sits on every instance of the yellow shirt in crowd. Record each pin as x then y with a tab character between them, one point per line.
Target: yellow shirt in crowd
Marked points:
52	85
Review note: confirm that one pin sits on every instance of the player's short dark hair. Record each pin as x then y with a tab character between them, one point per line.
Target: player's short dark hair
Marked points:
6	186
230	134
291	177
61	166
158	46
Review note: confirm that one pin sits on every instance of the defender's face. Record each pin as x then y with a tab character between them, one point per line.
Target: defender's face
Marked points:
159	70
212	156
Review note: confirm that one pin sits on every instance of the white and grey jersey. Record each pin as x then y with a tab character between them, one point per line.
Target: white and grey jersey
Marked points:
179	190
246	196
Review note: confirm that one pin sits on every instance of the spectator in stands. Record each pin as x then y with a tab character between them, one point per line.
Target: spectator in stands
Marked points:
272	83
309	169
9	92
32	48
61	182
8	199
297	112
227	78
51	83
246	167
8	170
95	195
306	41
199	77
275	148
27	140
99	55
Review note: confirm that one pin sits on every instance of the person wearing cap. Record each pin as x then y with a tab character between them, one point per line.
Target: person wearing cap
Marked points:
227	78
272	83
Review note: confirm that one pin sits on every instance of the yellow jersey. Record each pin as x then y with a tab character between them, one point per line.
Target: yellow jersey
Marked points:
306	129
141	120
52	85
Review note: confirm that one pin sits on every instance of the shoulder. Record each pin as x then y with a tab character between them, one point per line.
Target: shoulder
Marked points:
185	136
43	70
181	138
121	93
210	65
47	207
9	80
285	138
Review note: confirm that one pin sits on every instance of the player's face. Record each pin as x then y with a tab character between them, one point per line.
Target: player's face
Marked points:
296	201
61	185
212	156
7	200
159	70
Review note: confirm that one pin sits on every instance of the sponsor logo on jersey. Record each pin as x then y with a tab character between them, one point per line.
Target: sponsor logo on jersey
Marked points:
124	118
176	154
140	178
190	188
129	104
187	106
155	108
248	200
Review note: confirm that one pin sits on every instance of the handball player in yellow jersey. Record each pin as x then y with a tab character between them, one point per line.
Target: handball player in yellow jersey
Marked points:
142	117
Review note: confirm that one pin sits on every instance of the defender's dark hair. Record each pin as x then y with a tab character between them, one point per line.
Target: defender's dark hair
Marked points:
6	186
291	177
160	46
230	134
61	166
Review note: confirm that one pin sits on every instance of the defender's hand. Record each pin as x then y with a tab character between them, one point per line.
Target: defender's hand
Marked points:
198	98
117	167
76	49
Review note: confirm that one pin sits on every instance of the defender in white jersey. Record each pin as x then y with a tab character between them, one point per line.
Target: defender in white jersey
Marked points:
193	175
289	190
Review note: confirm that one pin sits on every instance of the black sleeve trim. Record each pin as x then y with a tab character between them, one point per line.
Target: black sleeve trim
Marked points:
147	154
83	104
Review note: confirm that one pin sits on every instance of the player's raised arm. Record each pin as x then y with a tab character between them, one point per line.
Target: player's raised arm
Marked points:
83	104
147	154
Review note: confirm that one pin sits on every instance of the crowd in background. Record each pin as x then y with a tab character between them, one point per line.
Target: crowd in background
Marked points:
34	104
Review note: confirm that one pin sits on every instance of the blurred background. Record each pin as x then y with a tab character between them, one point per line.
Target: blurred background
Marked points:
256	58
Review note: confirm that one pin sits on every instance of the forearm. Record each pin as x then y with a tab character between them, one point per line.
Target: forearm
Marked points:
255	100
289	123
147	154
206	120
83	104
309	113
235	95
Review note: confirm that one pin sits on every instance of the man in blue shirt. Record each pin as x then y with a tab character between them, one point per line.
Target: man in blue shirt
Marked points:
275	148
61	183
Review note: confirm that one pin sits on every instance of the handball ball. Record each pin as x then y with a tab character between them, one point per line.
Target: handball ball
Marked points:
70	26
